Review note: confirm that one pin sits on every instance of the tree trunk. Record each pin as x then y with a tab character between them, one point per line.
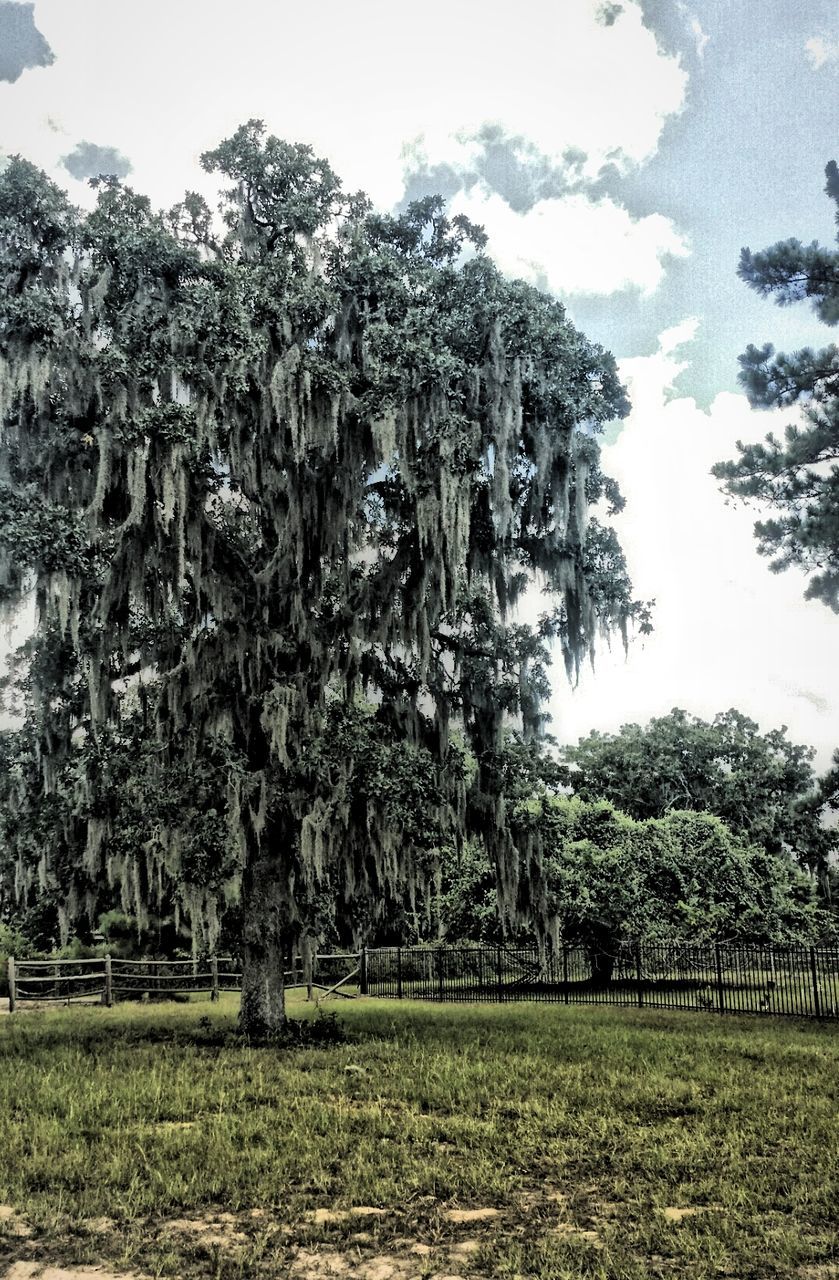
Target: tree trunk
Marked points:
601	950
602	968
262	1011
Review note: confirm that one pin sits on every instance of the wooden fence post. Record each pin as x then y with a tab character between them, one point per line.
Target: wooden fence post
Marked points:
108	993
814	973
399	973
307	961
12	984
362	972
214	977
720	986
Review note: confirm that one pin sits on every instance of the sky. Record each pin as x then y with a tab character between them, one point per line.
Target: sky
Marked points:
619	153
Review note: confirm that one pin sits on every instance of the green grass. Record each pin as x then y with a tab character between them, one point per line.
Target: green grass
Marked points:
582	1125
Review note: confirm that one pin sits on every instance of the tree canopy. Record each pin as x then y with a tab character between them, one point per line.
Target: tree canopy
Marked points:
797	477
609	879
265	471
761	785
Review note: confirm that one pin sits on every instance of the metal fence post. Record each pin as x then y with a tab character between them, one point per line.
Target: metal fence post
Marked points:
440	972
498	973
399	973
720	985
638	977
814	973
565	973
362	972
214	977
12	984
108	993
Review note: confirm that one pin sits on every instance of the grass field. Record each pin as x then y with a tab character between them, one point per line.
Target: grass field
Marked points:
437	1140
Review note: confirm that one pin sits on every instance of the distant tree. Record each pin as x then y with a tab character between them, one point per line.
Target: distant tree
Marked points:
467	906
310	459
797	477
609	879
761	785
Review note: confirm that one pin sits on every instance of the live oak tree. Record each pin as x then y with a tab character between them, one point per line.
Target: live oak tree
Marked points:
308	458
797	477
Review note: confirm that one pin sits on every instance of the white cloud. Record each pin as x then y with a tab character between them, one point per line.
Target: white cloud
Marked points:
575	244
679	335
700	37
820	52
162	81
727	631
561	92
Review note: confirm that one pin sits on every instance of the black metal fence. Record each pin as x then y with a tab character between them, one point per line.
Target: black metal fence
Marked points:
771	980
794	981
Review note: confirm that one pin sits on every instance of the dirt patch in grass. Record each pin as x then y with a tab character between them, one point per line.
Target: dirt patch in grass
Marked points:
322	1264
463	1248
12	1223
675	1214
471	1215
320	1217
37	1271
567	1230
221	1229
365	1257
98	1226
334	1264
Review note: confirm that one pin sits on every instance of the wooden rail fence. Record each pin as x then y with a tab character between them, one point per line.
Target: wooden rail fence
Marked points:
768	980
107	979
